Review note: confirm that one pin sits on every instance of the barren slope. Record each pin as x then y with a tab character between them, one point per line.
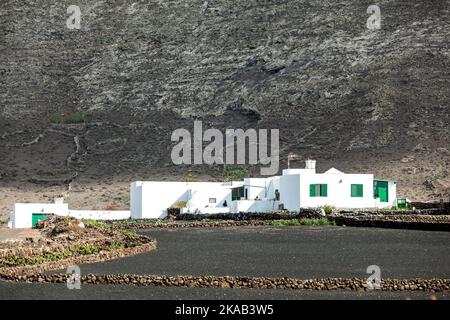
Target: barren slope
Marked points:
359	100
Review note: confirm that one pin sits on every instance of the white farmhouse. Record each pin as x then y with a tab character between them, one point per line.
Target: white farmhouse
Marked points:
294	189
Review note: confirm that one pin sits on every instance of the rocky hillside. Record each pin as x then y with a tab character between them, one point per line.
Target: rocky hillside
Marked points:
99	103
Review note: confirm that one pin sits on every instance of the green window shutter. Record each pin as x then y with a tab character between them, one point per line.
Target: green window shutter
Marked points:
312	190
357	190
360	190
324	190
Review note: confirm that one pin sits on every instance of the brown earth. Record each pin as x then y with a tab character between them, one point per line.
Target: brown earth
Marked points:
58	242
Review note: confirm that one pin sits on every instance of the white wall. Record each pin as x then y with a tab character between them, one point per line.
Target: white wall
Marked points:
21	216
256	187
209	210
339	190
156	197
273	183
290	192
100	214
254	206
287	172
201	192
136	199
392	191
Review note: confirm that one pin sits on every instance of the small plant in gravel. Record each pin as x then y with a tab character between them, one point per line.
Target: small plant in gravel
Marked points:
98	224
285	223
66	238
128	233
116	246
128	223
327	209
53	256
88	249
302	222
39	260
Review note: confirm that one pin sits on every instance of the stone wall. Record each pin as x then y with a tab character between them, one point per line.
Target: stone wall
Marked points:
433	285
427	211
243	216
384	223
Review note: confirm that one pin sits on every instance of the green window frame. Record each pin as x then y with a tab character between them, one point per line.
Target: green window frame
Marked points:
318	190
357	191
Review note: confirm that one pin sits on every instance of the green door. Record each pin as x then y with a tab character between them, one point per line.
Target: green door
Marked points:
383	191
37	217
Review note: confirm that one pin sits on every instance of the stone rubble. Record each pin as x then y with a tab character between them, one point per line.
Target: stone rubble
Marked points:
66	241
355	284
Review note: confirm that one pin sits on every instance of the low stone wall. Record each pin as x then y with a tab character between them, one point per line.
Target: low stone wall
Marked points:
247	216
430	205
433	285
354	219
402	218
430	211
384	222
189	220
199	224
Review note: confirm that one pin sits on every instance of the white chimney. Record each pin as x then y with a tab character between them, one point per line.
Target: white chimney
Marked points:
310	164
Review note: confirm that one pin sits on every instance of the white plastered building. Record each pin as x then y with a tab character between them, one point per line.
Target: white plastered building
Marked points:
294	189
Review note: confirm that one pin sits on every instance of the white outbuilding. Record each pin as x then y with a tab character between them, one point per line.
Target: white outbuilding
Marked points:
26	215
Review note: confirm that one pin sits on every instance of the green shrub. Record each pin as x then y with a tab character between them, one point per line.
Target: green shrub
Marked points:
97	224
328	209
52	256
127	233
88	249
39	260
233	173
116	246
302	222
